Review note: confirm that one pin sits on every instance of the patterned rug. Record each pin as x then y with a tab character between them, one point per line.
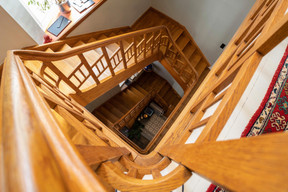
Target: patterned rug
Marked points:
272	115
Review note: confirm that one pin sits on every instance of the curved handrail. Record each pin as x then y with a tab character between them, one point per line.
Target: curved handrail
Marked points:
145	170
123	182
43	56
37	155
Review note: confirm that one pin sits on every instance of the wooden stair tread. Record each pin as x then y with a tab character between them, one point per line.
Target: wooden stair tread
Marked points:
182	41
164	89
142	79
189	50
102	36
74	61
133	99
107	114
136	97
137	92
195	58
125	100
91	56
66	66
139	88
177	34
118	113
202	65
102	118
120	106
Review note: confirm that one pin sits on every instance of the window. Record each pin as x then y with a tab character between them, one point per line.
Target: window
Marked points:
43	18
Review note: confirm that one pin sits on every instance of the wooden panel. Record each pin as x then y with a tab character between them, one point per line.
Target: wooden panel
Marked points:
95	155
247	164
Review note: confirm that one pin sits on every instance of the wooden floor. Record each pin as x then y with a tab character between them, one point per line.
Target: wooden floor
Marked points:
116	107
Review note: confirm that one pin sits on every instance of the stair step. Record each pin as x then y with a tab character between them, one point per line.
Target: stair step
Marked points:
118	113
125	44
177	34
189	50
74	61
133	99
202	65
91	40
78	43
168	97
103	118
66	66
136	91
136	97
159	83
91	56
148	84
112	34
125	100
108	114
140	89
120	106
98	50
102	36
143	78
195	58
164	89
182	41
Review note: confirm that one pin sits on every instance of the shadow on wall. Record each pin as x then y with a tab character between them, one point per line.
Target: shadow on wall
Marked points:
12	36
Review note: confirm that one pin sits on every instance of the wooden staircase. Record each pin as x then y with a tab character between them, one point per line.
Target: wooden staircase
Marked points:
180	35
48	139
97	65
118	106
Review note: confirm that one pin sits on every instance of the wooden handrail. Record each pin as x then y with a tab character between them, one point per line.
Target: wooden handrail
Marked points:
30	135
246	164
95	155
33	138
44	56
234	70
145	170
123	182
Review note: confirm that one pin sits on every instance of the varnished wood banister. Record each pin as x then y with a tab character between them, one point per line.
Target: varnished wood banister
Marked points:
182	54
122	182
246	164
44	56
145	170
39	55
33	138
95	155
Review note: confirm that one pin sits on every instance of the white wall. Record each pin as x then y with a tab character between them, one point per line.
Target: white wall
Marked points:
210	22
12	36
18	12
113	13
